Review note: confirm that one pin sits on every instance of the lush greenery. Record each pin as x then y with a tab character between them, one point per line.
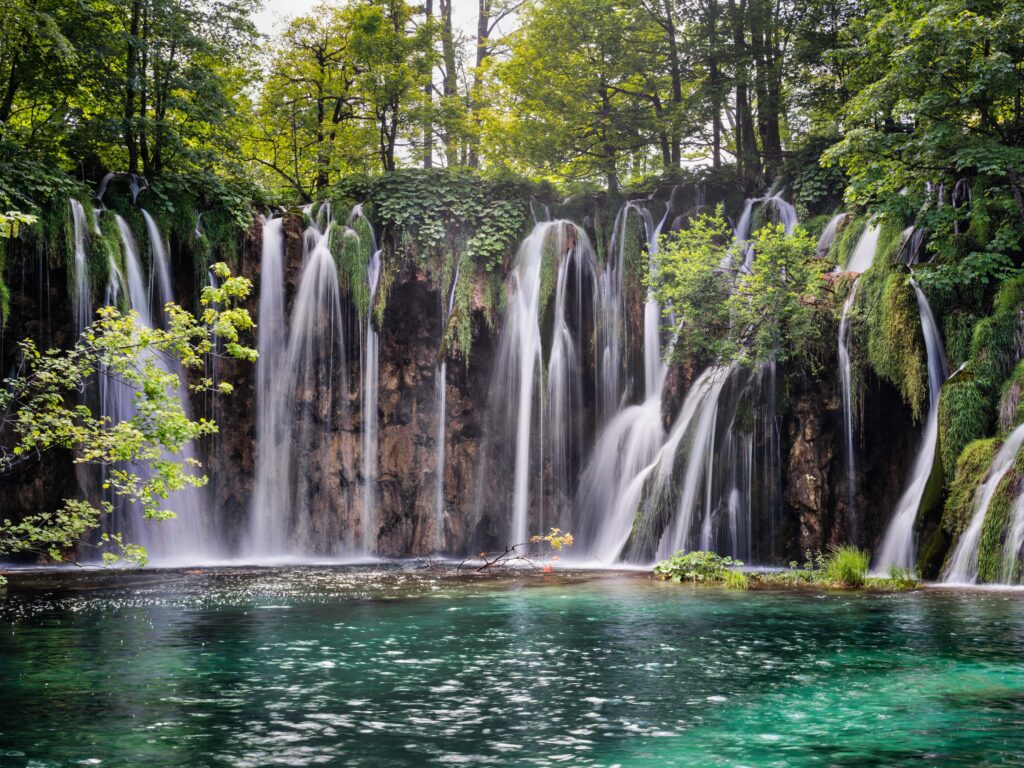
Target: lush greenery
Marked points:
695	566
730	310
841	567
43	409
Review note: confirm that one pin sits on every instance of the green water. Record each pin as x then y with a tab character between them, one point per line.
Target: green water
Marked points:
342	667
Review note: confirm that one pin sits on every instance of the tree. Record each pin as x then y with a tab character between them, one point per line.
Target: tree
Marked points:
41	410
575	94
728	312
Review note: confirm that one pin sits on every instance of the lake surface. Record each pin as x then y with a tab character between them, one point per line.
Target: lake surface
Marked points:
362	667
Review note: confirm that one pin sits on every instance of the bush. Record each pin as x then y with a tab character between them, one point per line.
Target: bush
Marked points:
695	566
847	565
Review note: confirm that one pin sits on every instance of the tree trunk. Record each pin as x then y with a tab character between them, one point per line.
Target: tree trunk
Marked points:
131	83
428	92
449	86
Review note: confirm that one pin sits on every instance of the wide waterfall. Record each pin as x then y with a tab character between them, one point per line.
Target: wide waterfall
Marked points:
962	567
645	492
898	544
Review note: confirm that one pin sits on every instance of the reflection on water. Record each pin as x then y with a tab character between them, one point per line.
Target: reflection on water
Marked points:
363	667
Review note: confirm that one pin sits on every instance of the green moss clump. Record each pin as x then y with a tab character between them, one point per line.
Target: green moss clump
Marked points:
958	331
964	416
896	350
971	470
350	248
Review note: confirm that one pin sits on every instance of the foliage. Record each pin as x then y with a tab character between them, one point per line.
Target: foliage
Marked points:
729	312
736	580
695	567
41	410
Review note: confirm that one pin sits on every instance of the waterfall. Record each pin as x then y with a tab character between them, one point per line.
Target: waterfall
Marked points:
633	437
441	377
300	502
898	544
784	214
863	255
962	567
188	537
828	235
371	365
81	299
1009	571
269	514
846	391
529	422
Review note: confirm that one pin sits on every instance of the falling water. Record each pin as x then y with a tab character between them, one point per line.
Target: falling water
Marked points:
782	211
268	520
521	405
299	502
828	235
441	377
963	563
898	544
188	537
1010	571
846	391
863	255
371	365
81	300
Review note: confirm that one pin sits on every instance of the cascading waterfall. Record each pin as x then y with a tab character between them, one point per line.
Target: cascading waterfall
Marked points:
782	211
441	377
962	567
898	544
81	300
633	437
267	525
1010	566
540	421
828	235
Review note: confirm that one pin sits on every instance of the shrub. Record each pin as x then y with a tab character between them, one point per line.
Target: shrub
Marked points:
695	566
847	565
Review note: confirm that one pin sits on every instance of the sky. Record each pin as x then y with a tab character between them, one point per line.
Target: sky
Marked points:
267	20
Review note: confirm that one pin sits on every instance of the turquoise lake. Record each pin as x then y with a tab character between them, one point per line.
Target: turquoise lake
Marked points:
397	667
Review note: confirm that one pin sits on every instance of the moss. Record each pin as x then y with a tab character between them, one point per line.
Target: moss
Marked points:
971	469
958	331
351	252
964	416
895	344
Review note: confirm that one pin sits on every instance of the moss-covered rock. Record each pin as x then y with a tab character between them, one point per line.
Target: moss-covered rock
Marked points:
1011	402
964	416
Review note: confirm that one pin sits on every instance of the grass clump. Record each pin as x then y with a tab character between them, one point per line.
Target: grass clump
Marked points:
736	580
897	580
696	567
846	566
